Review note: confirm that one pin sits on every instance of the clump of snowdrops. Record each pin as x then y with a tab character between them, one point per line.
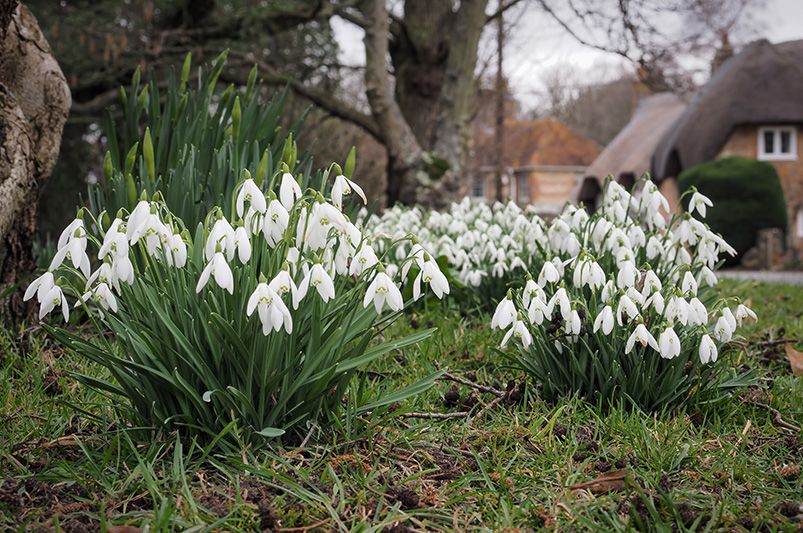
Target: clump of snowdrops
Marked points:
623	308
259	320
487	248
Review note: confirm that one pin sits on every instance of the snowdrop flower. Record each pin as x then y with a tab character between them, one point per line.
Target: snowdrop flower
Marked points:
626	277
249	192
101	294
343	187
318	278
743	312
381	291
40	287
177	251
654	248
699	202
723	331
137	217
283	284
431	274
289	191
538	311
505	313
708	350
271	309
520	332
588	272
115	242
531	290
573	325
562	299
626	308
677	310
221	236
549	274
53	297
123	269
104	274
72	244
364	259
219	268
243	244
604	321
656	301
643	337
728	315
669	343
689	284
698	314
707	276
275	222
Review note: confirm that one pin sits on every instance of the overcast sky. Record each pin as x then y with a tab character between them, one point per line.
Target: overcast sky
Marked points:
538	45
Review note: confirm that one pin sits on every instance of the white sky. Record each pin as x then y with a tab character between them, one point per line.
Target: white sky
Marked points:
539	44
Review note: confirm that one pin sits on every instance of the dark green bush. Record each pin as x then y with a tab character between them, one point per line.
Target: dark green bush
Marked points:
747	197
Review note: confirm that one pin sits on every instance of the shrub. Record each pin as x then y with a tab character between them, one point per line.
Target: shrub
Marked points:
747	197
190	143
260	319
623	310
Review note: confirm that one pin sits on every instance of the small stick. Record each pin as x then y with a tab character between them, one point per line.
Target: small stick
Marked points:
448	376
437	416
778	416
309	434
482	411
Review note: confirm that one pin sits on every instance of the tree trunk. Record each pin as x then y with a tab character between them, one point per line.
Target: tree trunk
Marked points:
34	103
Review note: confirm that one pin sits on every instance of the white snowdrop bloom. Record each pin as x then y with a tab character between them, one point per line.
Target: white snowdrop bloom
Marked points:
601	228
683	257
432	275
381	291
549	274
698	314
275	222
319	279
153	232
538	311
272	311
588	272
689	284
221	235
283	284
677	310
115	242
626	308
123	269
608	291
474	278
323	219
52	298
654	248
505	313
627	275
728	314
343	187
220	270
104	274
742	312
519	331
643	337
698	203
243	244
177	251
708	350
40	287
102	295
604	321
249	192
573	324
137	217
364	259
723	331
531	290
289	191
652	284
707	277
72	245
656	301
669	343
561	298
499	269
635	296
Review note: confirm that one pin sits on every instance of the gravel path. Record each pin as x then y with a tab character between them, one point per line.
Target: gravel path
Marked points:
787	277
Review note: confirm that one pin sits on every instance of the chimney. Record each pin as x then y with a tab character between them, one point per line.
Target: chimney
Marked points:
722	54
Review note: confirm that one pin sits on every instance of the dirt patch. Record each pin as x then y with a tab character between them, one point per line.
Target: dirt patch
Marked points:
37	503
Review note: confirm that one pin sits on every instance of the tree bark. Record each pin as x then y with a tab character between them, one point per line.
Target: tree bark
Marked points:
34	103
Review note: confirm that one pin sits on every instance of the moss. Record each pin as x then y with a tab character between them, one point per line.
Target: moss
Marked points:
747	197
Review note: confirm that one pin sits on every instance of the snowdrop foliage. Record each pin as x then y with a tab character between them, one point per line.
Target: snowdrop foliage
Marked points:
275	305
621	306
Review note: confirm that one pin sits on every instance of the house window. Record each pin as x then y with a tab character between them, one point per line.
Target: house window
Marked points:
800	222
522	189
478	187
777	143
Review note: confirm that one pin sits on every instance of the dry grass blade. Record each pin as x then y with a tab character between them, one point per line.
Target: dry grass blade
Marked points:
610	482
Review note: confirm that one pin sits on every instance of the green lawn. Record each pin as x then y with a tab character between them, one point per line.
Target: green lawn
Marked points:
67	464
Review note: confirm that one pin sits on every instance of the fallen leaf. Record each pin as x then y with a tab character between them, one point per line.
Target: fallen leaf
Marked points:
604	484
67	440
795	359
123	529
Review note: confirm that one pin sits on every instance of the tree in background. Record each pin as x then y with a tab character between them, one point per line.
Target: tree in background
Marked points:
34	102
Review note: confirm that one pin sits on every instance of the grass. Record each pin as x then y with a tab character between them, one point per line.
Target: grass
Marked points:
731	466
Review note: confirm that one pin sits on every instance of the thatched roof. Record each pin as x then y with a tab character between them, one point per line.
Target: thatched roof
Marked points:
546	141
631	150
763	84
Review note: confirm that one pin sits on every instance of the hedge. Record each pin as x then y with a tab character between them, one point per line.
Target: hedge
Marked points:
747	197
